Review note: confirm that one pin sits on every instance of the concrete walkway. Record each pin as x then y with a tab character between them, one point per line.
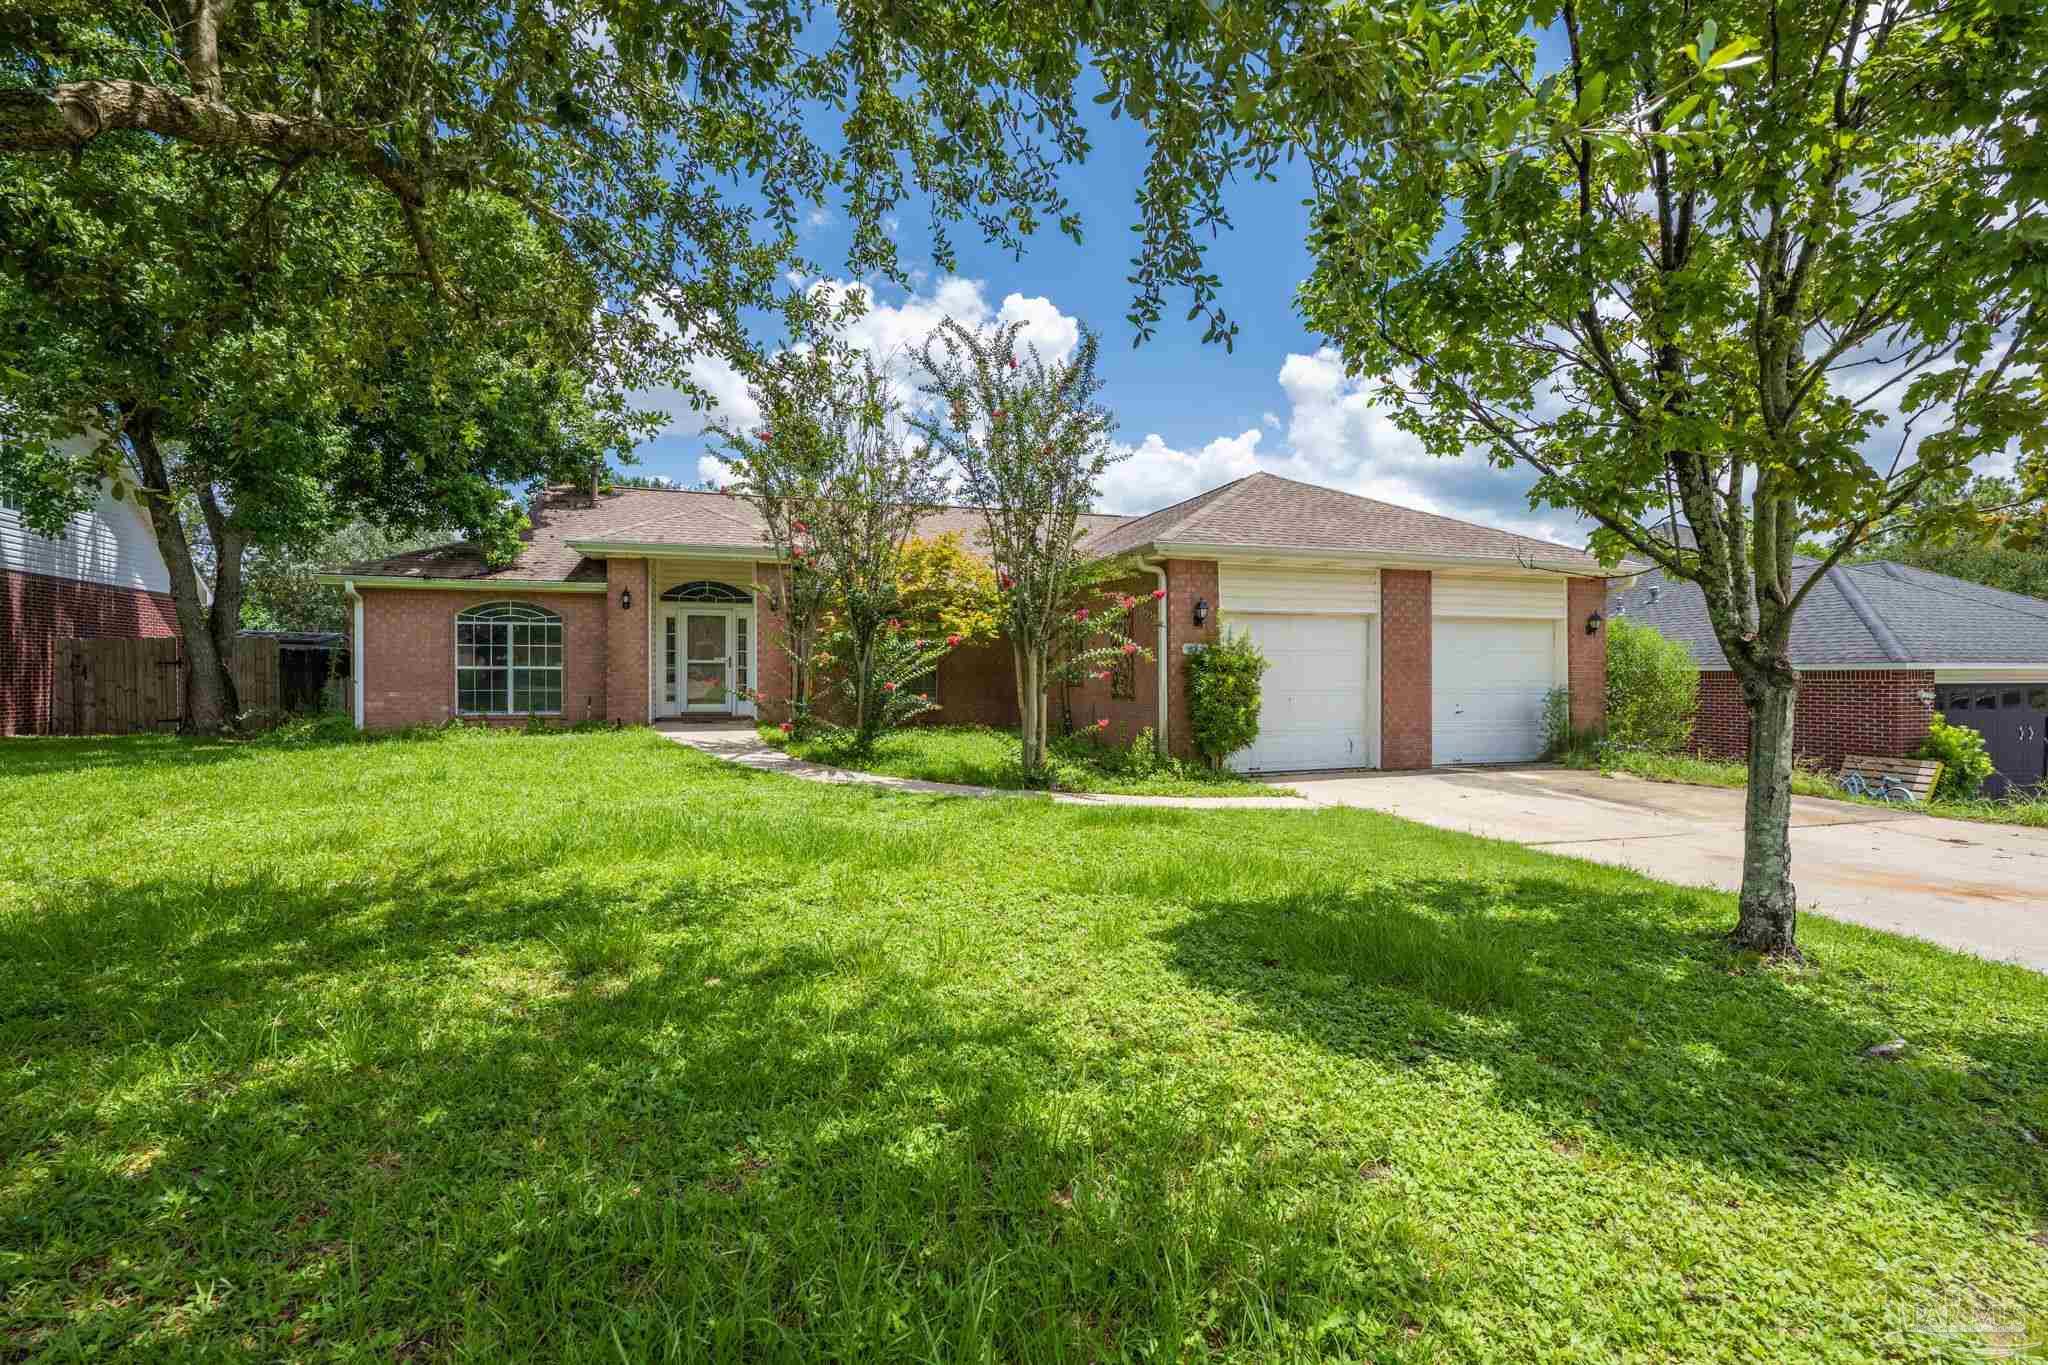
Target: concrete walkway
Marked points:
736	742
1980	888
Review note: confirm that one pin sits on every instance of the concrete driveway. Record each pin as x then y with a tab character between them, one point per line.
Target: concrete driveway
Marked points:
1980	888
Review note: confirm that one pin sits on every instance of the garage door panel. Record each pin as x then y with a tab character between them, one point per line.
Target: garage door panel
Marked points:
1313	700
1490	681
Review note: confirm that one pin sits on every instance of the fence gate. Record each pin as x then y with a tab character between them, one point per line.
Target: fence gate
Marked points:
120	687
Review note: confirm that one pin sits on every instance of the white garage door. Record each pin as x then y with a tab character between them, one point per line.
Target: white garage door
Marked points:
1312	709
1490	679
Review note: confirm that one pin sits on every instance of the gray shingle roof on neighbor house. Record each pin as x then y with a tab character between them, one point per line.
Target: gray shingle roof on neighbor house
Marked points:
1260	512
1864	615
1265	511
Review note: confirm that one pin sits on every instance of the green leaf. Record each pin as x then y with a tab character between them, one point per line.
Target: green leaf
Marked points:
1594	94
1728	52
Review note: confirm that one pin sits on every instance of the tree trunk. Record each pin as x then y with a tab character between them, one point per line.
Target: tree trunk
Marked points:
209	690
1765	921
1029	712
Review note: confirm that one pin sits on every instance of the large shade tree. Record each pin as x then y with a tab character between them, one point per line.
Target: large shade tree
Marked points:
226	227
1775	269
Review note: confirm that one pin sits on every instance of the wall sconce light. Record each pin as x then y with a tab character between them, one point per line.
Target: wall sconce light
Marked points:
1201	610
625	599
1593	623
1926	697
774	600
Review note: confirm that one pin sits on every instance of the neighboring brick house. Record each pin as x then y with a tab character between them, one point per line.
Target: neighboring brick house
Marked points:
101	579
1880	648
1398	638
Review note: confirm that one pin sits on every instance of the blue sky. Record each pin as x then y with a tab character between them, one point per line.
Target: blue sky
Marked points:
1193	415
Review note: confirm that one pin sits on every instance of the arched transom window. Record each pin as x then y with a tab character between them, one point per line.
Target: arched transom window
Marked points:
508	660
704	590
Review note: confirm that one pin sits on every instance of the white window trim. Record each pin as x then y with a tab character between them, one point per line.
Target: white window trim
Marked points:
560	670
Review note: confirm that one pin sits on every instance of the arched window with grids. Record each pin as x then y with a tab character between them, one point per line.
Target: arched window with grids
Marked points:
508	660
706	590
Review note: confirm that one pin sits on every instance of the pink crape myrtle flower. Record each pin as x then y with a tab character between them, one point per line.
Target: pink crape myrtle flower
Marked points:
1081	613
1130	646
888	687
1102	724
785	727
953	641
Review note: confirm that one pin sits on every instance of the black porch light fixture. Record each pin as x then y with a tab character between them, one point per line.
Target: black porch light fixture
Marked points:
1201	610
1593	623
625	599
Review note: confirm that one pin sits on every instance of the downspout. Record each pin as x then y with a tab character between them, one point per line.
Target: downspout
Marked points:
355	653
1159	730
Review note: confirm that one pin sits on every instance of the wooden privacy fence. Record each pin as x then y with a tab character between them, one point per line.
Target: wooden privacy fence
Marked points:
119	687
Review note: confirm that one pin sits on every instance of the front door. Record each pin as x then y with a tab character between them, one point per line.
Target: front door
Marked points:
704	661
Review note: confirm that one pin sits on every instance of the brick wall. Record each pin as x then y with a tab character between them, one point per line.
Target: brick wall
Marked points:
1096	700
409	654
36	610
623	689
1407	703
1187	581
1586	655
1841	711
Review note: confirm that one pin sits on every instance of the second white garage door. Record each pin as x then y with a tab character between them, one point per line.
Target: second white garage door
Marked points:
1490	679
1313	709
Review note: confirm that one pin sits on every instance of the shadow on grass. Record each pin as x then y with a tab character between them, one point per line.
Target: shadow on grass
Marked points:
1593	1009
426	1114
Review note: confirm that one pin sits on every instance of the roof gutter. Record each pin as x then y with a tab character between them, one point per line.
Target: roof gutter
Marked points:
352	581
1375	558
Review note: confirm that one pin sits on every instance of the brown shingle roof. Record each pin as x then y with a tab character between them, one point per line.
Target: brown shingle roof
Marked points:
652	516
1265	511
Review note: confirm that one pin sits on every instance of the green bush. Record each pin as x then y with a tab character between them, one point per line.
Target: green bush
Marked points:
1964	762
1653	688
1223	696
1557	722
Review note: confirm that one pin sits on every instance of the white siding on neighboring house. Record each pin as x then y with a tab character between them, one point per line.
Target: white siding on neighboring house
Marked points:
110	544
1246	588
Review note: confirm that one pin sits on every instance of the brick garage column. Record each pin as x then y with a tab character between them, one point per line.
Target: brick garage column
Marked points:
1407	692
1586	655
772	668
625	641
1187	581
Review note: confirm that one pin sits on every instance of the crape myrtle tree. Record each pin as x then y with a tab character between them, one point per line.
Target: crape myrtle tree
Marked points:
842	491
1774	268
1030	444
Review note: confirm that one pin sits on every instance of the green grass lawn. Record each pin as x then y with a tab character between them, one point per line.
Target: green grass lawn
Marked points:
1708	772
980	756
588	1047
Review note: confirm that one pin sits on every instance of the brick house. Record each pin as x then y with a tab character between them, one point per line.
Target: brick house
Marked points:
1399	639
102	578
1880	648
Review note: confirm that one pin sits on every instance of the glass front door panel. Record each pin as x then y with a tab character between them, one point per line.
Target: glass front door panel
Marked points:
704	642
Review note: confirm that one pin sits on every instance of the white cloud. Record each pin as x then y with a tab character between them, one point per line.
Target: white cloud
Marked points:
819	218
1155	474
1330	432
